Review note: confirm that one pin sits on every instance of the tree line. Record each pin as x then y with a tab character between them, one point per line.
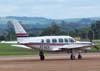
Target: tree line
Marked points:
92	32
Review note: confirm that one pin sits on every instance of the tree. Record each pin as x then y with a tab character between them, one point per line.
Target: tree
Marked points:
11	32
95	27
90	35
53	29
2	38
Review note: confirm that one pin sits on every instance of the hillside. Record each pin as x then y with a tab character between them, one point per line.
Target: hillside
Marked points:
35	24
40	22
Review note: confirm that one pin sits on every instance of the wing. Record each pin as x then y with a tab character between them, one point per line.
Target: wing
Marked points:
74	46
79	45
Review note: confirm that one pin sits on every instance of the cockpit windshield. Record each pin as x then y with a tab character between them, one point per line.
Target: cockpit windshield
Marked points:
71	40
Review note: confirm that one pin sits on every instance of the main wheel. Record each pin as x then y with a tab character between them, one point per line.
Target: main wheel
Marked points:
42	57
41	54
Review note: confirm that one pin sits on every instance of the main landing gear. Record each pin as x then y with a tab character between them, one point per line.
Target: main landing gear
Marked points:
41	54
72	56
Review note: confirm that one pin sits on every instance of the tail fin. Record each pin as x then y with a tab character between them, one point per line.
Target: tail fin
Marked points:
20	32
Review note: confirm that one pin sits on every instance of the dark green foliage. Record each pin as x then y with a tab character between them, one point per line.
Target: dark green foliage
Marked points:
11	31
54	29
2	38
90	35
95	28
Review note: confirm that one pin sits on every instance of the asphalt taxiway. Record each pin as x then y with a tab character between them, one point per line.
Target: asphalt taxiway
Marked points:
53	62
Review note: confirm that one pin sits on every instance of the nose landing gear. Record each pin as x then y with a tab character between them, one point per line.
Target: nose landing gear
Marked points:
73	53
72	57
79	56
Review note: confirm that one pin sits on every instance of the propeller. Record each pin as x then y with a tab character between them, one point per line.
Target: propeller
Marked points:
96	47
96	44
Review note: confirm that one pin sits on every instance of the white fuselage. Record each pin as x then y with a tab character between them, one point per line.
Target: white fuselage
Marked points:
48	43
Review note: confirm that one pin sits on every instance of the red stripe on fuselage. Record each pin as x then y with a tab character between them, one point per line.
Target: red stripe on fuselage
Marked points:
39	44
21	34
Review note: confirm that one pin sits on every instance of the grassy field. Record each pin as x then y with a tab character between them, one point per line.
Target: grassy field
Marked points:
7	49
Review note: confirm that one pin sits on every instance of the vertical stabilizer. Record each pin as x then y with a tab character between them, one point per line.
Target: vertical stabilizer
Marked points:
20	32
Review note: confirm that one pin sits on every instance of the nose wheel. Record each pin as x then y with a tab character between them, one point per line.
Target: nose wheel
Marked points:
79	56
41	54
72	57
73	53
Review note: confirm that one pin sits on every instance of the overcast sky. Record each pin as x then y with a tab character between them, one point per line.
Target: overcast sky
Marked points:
57	9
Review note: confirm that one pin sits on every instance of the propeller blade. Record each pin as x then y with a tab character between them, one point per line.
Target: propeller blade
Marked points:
96	47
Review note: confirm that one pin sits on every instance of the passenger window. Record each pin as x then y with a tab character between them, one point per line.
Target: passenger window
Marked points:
48	40
54	41
66	40
42	41
60	40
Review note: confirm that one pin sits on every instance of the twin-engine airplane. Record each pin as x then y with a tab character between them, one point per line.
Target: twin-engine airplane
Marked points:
50	43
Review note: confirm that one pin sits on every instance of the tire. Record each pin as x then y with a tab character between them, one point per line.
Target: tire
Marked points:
42	57
72	57
41	54
79	56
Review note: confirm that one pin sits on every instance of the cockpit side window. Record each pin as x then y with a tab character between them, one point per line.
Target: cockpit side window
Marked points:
54	40
48	40
61	40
